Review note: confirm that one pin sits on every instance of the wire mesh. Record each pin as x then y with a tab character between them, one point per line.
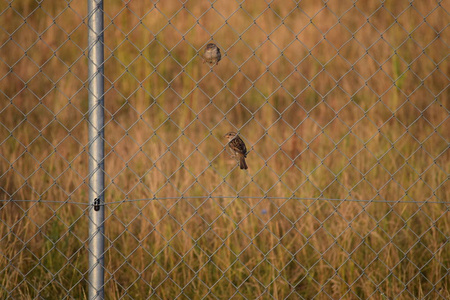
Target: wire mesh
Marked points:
344	108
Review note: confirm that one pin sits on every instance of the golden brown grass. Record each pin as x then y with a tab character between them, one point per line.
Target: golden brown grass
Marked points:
325	115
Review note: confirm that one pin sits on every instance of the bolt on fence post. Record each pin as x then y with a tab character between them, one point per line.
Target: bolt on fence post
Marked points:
96	148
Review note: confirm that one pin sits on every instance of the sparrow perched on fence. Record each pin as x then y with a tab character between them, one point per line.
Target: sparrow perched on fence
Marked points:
212	54
238	148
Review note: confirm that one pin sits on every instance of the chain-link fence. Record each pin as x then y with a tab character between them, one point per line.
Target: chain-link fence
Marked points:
344	109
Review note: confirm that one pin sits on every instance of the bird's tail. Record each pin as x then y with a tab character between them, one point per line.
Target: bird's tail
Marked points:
242	163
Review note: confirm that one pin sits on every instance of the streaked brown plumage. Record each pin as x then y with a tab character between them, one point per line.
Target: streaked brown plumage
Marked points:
238	148
212	54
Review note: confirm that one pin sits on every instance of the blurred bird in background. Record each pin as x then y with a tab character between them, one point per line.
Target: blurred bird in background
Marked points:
212	54
238	148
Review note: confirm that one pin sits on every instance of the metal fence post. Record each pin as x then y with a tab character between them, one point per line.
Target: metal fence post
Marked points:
96	148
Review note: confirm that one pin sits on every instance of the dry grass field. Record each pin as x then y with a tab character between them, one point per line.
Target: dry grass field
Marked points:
345	110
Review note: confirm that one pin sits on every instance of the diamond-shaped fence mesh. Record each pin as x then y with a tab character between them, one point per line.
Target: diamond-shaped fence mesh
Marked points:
344	108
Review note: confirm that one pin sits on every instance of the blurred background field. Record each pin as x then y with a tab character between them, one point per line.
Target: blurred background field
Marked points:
339	100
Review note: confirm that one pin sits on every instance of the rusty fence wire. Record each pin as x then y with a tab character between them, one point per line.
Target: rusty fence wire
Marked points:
344	110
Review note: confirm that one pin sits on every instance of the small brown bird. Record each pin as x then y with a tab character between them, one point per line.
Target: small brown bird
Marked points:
238	148
212	54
